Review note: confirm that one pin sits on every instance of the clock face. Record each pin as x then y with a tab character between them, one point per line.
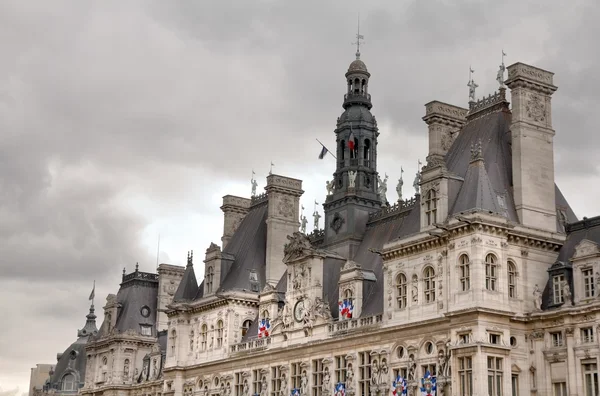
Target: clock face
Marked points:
299	310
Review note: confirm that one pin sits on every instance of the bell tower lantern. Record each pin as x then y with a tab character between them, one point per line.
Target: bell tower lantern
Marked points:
355	180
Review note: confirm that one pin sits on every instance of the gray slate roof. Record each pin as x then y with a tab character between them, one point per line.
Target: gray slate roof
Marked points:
188	287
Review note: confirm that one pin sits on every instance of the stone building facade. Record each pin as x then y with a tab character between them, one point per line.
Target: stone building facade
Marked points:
484	279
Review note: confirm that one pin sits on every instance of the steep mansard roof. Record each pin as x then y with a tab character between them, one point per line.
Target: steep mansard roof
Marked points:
483	183
588	229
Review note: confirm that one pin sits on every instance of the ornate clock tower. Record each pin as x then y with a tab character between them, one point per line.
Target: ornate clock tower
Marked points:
355	180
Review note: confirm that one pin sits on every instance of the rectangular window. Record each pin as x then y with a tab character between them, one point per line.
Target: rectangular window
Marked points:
465	376
256	381
317	374
239	384
559	389
495	374
296	375
557	289
557	339
495	338
587	335
428	367
364	372
590	379
402	371
275	380
514	383
463	338
146	330
340	369
588	283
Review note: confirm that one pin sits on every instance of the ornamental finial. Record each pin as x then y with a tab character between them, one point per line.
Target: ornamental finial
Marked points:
472	85
500	75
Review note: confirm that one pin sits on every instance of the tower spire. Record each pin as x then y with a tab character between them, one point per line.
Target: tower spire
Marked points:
358	38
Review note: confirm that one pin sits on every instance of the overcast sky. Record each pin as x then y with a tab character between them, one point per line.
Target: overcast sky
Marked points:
120	120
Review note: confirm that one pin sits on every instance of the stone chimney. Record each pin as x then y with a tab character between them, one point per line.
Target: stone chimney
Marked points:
444	121
169	277
235	209
282	220
532	145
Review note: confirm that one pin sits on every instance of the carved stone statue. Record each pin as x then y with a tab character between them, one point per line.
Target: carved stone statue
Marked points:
412	367
254	185
416	182
304	384
441	363
351	179
326	381
246	389
399	188
472	85
316	217
566	291
264	386
349	378
283	384
297	246
304	222
374	374
126	370
537	295
500	75
330	186
154	369
415	293
382	188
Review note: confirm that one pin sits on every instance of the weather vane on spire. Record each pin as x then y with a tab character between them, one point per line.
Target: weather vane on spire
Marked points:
358	38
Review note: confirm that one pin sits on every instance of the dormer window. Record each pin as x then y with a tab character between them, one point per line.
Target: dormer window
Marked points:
431	207
68	383
588	283
246	326
146	330
210	272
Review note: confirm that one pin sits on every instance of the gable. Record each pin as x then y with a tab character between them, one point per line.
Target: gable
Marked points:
586	248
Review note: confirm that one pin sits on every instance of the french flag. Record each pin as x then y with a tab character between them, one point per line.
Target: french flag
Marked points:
351	141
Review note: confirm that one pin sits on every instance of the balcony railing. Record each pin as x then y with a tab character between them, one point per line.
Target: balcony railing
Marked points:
257	343
351	324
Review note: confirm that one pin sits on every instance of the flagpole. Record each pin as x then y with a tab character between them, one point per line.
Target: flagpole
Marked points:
329	151
94	292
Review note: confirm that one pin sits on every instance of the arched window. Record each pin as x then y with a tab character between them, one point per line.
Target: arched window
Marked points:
491	272
104	368
367	152
349	296
108	321
363	86
465	272
69	383
173	341
356	86
219	333
204	336
431	207
245	326
342	149
210	272
401	287
429	284
192	340
265	314
512	280
349	86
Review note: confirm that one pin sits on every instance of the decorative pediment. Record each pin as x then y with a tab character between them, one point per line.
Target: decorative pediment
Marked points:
586	248
515	369
297	247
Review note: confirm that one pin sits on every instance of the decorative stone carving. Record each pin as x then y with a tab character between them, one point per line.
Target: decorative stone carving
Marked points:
286	207
298	246
304	222
536	109
264	386
304	383
349	379
337	222
326	390
585	248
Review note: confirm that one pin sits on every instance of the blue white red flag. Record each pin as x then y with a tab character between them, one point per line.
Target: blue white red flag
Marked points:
399	386
323	152
295	392
340	389
264	328
346	308
428	385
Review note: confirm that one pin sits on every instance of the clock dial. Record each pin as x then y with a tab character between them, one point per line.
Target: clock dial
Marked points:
299	310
